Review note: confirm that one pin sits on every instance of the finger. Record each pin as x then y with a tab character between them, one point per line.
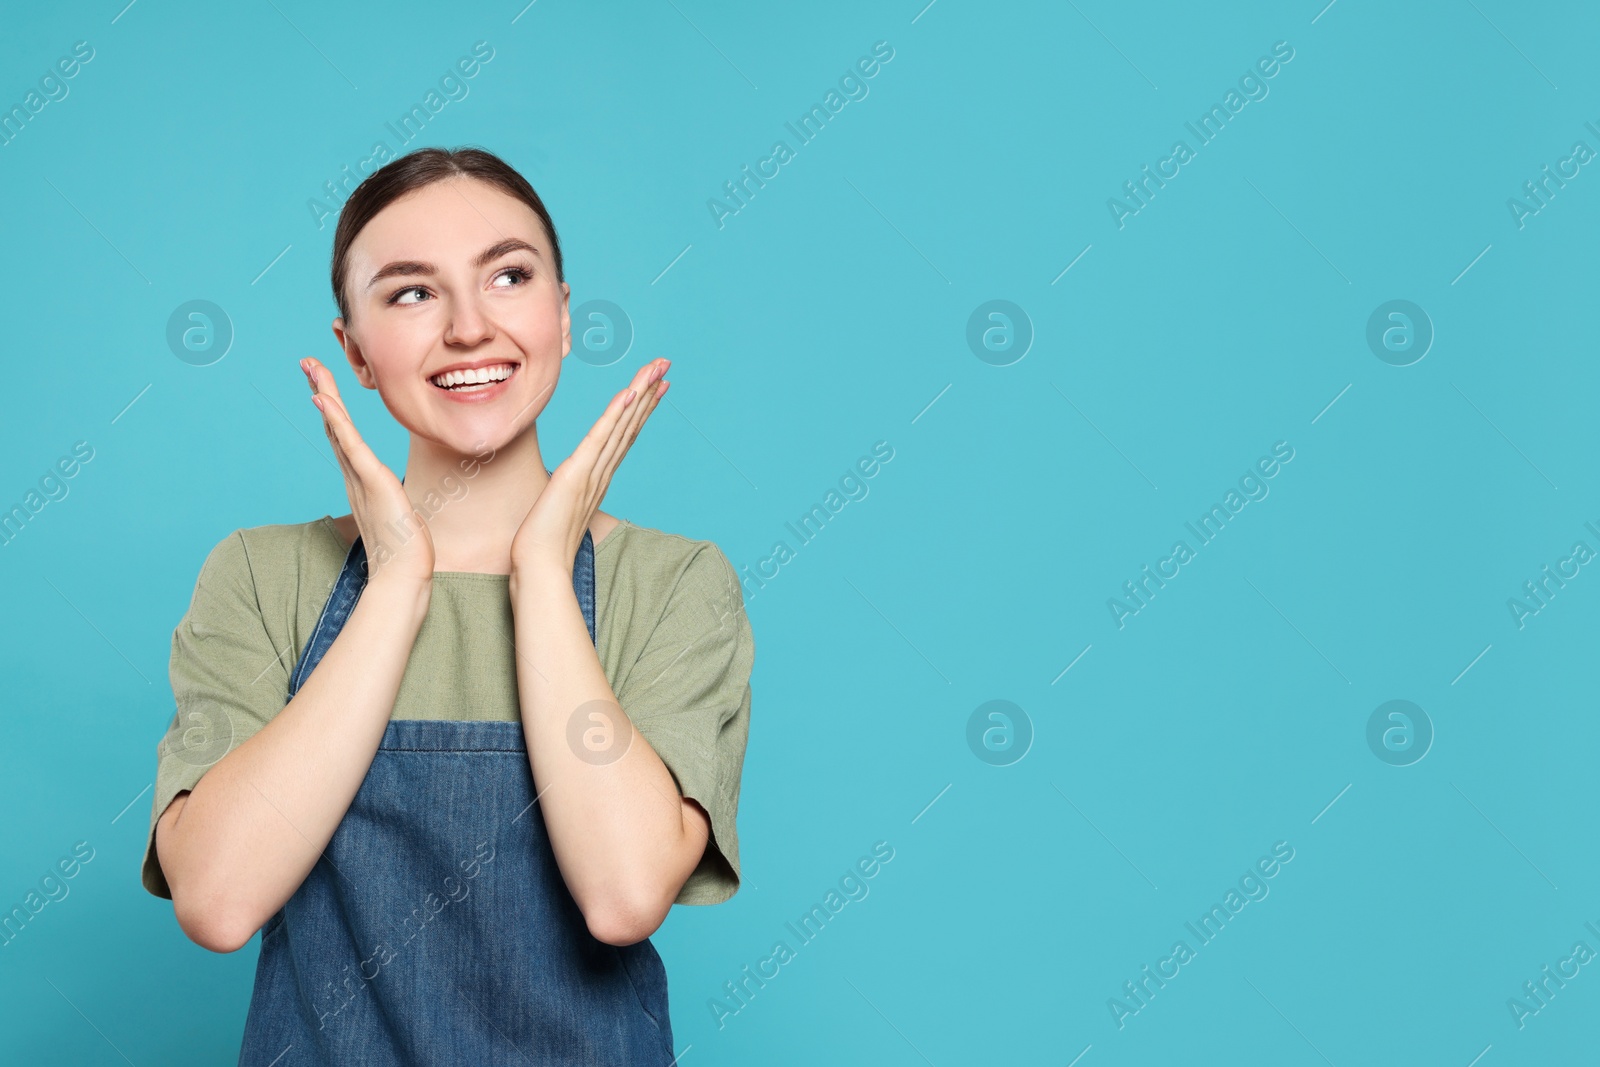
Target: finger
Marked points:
594	441
651	396
611	455
647	386
648	373
638	427
607	430
321	378
328	410
313	369
359	461
655	398
324	384
335	414
635	417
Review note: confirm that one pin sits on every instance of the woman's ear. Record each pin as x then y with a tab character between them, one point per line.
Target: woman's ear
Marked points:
352	352
566	320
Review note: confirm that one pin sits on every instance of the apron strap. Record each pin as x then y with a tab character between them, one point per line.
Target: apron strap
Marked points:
352	580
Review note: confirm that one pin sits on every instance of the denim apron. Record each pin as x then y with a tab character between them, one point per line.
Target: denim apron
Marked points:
436	927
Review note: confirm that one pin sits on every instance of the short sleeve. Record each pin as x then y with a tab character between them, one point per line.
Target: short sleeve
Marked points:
689	696
227	682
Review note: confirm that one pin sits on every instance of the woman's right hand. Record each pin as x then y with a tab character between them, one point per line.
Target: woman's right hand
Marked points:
396	537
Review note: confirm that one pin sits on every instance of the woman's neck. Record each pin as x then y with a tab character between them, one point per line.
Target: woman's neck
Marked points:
474	503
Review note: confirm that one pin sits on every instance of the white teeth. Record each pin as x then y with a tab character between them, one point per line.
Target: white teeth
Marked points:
479	376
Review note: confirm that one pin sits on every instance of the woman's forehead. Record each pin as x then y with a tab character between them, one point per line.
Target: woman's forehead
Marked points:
448	206
453	220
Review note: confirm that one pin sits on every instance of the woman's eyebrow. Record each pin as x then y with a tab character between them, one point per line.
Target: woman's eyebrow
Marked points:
407	267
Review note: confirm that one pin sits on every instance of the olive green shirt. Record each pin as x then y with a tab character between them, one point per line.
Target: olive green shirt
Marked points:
671	633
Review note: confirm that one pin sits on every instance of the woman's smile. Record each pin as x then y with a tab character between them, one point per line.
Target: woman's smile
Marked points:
475	383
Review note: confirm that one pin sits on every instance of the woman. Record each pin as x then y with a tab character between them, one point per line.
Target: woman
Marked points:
455	754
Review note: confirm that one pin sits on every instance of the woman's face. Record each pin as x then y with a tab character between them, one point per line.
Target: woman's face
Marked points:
457	275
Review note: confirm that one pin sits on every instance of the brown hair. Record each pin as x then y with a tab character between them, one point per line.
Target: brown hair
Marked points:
412	172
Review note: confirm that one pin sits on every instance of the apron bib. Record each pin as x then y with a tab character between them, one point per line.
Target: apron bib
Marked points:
436	927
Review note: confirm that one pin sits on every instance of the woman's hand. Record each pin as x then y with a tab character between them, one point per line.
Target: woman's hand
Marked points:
397	541
553	528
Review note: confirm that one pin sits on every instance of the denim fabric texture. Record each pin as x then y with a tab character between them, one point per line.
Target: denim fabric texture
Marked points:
436	927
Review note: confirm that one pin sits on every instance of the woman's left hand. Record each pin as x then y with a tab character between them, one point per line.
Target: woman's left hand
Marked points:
553	528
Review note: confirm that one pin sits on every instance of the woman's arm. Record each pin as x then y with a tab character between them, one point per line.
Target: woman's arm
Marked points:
624	838
238	846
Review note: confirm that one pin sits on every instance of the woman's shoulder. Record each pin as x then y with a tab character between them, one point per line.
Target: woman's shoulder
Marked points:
644	545
292	538
277	553
665	561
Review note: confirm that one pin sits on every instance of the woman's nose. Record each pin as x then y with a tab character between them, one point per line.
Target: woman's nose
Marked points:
468	323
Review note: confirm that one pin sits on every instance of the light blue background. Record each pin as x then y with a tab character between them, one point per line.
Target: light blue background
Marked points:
829	314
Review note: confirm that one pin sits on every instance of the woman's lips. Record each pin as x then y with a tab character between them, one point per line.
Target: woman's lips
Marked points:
478	394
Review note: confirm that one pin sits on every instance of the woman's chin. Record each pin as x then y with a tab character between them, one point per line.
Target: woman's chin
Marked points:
462	437
480	444
466	430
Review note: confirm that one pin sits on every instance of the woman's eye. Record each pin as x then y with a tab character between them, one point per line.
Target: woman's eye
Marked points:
519	273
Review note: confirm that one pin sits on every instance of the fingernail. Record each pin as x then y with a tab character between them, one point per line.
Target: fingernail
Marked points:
317	400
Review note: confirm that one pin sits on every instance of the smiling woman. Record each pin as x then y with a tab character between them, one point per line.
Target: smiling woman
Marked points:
408	679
